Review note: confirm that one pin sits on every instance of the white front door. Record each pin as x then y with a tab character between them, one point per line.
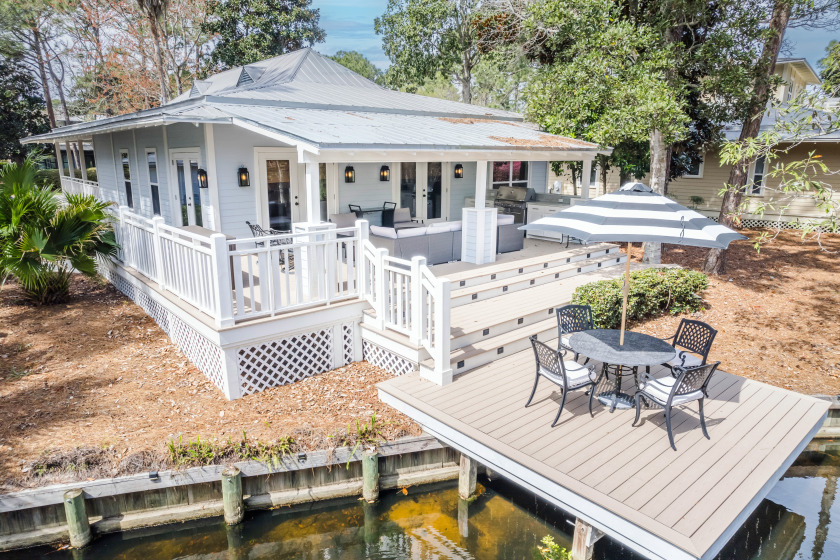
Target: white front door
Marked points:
280	198
424	190
185	165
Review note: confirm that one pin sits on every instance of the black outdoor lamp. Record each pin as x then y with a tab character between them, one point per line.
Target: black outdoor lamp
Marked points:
244	178
384	173
202	179
349	174
459	171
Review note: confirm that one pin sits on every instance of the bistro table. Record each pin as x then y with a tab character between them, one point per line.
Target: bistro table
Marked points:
638	350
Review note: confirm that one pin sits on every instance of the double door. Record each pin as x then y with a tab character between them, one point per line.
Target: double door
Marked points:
185	165
424	190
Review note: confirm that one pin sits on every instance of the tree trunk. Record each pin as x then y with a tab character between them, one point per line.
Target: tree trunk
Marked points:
659	153
42	71
604	168
161	67
715	262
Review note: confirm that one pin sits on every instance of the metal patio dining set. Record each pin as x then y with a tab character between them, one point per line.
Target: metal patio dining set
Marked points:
684	355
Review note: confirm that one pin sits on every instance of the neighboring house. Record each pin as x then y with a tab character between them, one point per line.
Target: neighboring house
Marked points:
701	188
286	143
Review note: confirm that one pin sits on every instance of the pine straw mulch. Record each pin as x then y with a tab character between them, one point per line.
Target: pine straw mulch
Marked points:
776	310
94	388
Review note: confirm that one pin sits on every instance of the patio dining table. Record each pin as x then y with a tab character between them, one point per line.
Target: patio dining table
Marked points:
621	360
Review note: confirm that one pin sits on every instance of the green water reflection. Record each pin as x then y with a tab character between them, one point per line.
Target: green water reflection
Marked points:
798	520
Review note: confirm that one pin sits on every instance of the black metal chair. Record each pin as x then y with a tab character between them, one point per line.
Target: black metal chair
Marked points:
258	231
689	385
388	209
572	319
355	208
567	375
695	339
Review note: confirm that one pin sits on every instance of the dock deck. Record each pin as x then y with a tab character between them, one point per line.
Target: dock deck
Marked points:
625	481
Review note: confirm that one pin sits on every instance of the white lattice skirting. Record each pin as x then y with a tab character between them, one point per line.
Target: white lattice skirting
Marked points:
256	367
750	223
206	356
286	360
386	359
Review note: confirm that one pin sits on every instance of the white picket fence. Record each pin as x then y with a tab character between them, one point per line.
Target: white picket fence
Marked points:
79	186
408	298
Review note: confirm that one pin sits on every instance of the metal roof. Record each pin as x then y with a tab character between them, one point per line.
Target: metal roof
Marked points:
312	99
768	123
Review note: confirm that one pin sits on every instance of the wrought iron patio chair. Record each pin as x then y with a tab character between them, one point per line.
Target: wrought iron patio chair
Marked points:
286	260
694	338
572	319
689	385
566	374
355	208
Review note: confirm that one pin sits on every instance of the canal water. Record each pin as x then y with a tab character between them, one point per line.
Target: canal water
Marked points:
798	520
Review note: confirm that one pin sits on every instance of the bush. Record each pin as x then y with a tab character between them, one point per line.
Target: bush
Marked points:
653	292
49	178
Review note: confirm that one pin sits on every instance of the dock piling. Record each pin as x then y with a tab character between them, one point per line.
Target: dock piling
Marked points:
584	541
232	495
370	476
77	519
466	477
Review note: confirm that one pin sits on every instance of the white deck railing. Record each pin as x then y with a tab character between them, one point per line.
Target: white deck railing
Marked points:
408	298
79	186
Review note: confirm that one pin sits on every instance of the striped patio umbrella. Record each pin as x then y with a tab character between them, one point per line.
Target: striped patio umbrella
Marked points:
634	213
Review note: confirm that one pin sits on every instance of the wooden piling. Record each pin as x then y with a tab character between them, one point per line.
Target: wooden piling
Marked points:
466	477
232	495
464	518
370	476
77	519
585	537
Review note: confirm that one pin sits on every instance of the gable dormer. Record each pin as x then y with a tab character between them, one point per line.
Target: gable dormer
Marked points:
249	75
198	88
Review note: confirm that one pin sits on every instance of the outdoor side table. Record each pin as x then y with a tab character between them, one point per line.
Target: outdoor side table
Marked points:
638	350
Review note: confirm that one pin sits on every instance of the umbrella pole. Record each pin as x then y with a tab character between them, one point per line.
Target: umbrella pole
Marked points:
626	293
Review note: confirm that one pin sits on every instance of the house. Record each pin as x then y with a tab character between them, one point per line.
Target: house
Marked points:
700	189
289	144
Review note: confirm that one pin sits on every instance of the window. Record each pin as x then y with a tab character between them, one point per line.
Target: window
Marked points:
151	161
126	166
695	171
510	174
757	185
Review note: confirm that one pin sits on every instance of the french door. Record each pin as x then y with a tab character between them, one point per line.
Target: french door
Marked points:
424	190
280	198
185	165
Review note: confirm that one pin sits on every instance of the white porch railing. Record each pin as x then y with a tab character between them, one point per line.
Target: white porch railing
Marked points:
408	298
79	186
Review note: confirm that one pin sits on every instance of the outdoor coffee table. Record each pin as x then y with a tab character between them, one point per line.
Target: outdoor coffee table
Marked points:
638	350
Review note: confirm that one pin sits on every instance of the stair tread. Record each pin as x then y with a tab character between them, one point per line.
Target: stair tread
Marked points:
498	268
493	342
526	276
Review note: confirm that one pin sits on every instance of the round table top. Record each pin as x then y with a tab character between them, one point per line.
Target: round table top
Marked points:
638	349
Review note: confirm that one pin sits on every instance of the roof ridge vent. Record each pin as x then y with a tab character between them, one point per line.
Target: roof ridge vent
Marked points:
249	75
198	88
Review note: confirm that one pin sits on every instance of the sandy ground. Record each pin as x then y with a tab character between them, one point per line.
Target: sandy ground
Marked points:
99	374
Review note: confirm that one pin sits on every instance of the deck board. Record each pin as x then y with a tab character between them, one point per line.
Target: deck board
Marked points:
705	486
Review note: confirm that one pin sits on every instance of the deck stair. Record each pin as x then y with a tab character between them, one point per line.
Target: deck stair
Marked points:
496	308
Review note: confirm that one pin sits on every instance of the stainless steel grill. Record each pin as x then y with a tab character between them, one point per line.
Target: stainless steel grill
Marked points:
513	200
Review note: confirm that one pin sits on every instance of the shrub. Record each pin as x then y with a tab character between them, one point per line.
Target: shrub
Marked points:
653	291
553	551
49	178
45	237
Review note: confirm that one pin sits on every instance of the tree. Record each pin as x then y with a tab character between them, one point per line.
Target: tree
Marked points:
21	106
715	262
253	30
830	69
45	236
154	11
358	63
424	38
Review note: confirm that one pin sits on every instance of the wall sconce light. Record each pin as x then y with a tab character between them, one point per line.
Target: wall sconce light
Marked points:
384	173
202	179
244	177
459	171
349	174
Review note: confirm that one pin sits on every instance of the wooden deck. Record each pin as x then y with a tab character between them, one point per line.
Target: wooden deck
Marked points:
625	481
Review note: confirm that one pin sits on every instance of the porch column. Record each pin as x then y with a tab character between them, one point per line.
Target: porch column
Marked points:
313	194
57	146
211	209
584	179
478	239
71	167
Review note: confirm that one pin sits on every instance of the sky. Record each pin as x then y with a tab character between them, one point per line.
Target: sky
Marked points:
349	27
